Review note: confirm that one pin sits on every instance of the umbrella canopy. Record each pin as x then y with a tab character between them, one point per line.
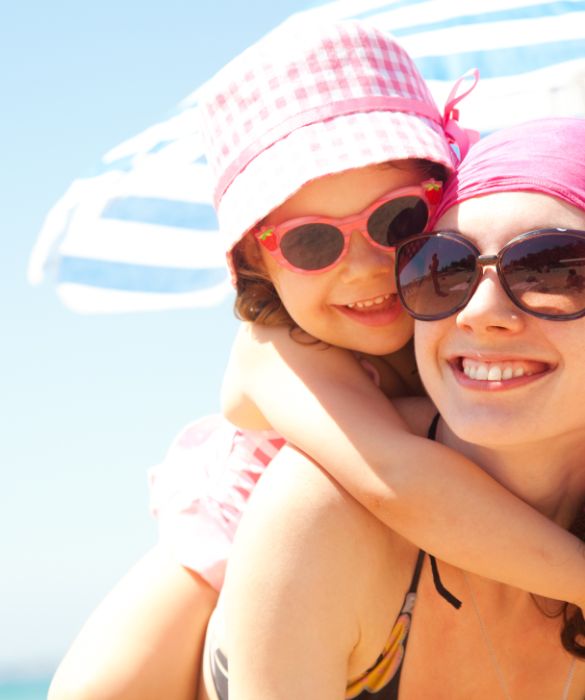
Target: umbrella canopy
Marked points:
142	234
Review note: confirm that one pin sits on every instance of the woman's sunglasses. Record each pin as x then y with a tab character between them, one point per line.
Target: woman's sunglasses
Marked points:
543	273
314	244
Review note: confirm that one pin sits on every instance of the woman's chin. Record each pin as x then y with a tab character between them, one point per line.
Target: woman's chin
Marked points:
489	427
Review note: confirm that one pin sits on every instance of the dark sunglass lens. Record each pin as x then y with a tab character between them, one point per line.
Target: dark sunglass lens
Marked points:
312	246
545	274
398	219
435	275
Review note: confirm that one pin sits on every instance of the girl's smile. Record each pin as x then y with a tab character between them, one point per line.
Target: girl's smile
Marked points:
379	311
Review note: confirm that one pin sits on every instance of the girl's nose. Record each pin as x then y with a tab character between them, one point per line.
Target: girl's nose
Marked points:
490	309
365	259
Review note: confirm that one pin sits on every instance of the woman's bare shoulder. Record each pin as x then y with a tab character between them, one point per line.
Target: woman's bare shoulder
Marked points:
328	553
298	508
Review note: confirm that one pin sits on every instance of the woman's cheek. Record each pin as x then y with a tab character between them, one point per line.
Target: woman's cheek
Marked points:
427	338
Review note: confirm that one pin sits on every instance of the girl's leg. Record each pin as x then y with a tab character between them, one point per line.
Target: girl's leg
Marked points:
144	641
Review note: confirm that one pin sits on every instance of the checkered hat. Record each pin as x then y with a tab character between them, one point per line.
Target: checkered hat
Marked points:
308	101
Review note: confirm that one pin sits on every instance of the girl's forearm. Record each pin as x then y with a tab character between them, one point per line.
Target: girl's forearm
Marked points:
322	402
454	510
447	505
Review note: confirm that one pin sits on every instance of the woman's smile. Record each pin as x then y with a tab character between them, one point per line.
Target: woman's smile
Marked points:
497	374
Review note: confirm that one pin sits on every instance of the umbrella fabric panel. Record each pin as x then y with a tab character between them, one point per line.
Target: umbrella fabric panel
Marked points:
142	235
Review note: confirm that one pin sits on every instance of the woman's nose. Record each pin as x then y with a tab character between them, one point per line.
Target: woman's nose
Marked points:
490	309
365	259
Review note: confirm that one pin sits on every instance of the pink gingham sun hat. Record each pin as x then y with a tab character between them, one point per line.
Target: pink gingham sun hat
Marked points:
308	101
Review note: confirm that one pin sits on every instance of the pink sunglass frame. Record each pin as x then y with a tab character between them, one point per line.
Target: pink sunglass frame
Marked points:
429	192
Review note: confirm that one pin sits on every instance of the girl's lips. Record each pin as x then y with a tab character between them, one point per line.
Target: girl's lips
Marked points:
377	311
497	375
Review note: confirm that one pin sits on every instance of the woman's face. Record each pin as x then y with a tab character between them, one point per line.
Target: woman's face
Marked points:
545	397
353	305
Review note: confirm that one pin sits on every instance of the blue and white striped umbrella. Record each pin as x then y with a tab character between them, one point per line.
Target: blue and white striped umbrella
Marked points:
142	235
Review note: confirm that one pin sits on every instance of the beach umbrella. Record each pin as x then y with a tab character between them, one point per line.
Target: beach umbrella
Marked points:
142	235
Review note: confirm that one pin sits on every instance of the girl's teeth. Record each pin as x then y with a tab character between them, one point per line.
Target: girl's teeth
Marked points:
368	303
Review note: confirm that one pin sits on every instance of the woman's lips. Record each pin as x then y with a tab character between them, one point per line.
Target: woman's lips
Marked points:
497	375
380	310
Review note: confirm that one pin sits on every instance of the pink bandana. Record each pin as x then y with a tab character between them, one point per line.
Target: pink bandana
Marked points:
545	155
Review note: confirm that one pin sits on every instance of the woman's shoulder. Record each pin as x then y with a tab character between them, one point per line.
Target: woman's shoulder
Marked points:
330	528
334	555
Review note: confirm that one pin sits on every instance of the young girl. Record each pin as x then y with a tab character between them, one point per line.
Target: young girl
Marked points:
328	149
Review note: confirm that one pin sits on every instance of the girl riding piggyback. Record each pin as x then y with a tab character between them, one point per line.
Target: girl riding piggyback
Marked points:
327	150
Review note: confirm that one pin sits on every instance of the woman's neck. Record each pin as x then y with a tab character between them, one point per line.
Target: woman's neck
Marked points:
550	477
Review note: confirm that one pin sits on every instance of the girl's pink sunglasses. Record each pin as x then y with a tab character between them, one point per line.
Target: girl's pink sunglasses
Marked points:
312	244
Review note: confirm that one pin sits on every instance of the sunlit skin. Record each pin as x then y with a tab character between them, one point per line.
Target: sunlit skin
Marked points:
318	303
545	406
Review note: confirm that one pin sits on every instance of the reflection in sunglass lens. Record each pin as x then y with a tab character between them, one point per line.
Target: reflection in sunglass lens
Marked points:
398	219
546	274
435	275
312	246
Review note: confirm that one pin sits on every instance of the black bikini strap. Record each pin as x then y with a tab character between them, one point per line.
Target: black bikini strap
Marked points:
441	590
417	570
432	431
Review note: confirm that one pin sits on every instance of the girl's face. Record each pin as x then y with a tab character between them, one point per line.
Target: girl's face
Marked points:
353	305
544	397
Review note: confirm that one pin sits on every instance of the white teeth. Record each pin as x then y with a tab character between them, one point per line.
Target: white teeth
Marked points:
495	374
368	303
481	372
492	371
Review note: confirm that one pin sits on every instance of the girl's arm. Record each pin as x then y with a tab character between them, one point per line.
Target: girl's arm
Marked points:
320	399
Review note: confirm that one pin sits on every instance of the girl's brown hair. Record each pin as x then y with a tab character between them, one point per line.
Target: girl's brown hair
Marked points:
256	298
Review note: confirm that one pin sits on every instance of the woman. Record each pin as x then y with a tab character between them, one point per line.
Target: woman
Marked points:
501	355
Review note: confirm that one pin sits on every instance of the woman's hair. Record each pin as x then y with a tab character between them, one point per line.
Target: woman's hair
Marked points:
256	298
573	632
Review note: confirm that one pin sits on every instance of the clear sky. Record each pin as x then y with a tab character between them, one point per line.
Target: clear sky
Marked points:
88	403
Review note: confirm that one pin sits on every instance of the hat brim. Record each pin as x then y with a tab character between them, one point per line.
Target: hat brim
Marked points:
323	148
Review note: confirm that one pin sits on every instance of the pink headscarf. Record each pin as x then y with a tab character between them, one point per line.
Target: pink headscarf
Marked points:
545	155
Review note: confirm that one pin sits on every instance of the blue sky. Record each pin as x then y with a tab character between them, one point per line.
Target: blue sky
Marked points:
88	403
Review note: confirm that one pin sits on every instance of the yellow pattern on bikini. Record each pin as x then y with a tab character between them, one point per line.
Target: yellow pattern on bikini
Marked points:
390	660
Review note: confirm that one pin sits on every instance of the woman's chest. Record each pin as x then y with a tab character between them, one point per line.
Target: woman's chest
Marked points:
465	654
